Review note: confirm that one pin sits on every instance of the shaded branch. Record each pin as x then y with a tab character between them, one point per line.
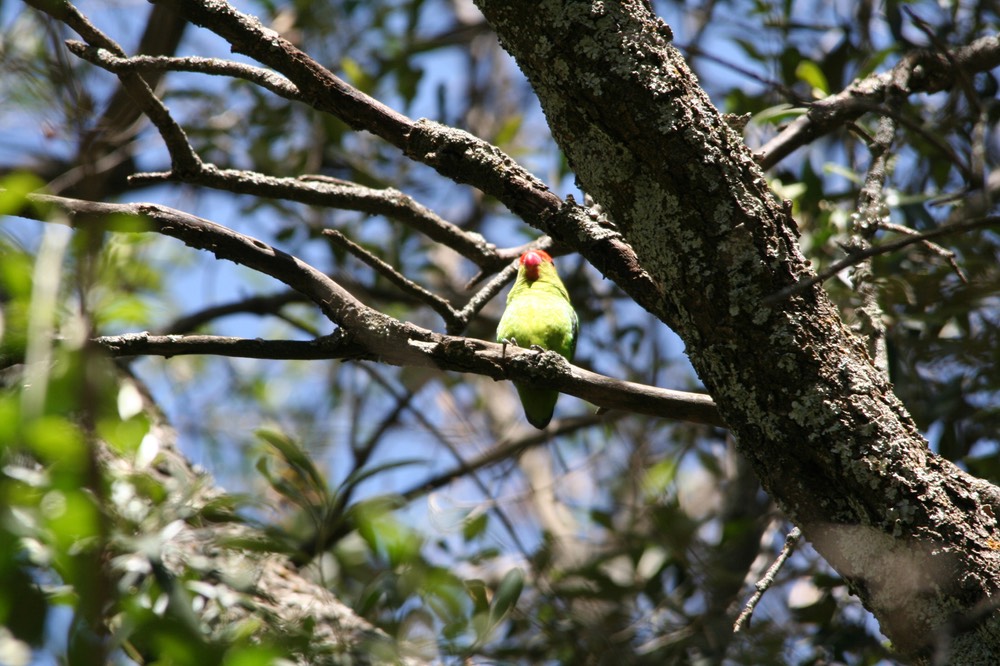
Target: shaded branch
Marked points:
182	155
259	305
883	248
168	346
504	450
872	210
919	71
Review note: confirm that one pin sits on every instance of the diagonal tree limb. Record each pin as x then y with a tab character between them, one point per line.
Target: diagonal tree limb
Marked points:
435	302
318	190
454	153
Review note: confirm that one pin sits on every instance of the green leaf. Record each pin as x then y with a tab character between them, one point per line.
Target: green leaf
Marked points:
506	596
475	526
810	72
296	458
659	477
476	589
14	190
777	114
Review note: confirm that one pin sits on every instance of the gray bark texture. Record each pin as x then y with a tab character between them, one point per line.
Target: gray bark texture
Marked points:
915	536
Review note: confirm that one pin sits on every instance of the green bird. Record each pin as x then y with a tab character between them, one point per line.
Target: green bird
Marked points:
539	314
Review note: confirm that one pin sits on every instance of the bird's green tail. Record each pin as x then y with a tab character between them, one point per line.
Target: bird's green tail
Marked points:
538	404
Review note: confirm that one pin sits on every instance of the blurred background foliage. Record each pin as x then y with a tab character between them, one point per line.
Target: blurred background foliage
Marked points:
422	500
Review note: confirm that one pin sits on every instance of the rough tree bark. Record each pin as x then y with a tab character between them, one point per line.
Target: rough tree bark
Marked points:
915	536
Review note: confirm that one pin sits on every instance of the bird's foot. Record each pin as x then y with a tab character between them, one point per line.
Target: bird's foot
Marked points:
504	343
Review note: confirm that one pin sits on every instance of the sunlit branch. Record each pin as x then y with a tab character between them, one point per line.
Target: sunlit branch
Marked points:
453	153
396	205
260	76
484	296
333	192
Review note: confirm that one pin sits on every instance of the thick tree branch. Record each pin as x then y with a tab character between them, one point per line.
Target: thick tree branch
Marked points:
315	190
444	353
454	153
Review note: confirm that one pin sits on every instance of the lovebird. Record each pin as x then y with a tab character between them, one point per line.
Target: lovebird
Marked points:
539	313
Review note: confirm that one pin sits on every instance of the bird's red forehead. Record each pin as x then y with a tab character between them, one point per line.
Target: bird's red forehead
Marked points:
531	260
535	258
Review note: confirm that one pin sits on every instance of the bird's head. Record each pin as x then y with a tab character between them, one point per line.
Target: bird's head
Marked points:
531	260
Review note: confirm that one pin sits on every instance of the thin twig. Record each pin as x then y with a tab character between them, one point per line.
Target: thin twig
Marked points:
484	296
872	211
919	71
765	583
456	453
182	154
105	59
506	450
934	248
884	248
259	305
438	304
